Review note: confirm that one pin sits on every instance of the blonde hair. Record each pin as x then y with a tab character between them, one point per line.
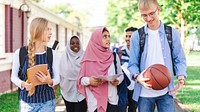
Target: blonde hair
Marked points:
146	4
37	29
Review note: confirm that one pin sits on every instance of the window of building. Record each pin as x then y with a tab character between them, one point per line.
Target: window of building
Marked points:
2	30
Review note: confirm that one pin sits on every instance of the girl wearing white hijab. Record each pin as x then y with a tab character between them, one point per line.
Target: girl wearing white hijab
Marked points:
69	71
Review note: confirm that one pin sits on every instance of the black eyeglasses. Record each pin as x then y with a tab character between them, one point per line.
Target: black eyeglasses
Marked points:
151	14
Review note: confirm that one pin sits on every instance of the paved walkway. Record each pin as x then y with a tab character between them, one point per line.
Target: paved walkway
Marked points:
180	107
60	107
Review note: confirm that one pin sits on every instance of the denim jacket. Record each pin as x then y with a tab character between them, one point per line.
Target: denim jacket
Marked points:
177	54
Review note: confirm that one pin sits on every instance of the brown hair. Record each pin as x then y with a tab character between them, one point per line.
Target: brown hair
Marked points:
145	4
37	29
105	29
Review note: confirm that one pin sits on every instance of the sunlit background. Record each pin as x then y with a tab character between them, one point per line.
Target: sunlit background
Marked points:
95	10
81	17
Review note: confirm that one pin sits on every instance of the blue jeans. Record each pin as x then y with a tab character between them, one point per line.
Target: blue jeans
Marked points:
164	103
122	108
48	106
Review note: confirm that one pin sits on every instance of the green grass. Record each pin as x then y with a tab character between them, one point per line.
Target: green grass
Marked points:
9	102
190	94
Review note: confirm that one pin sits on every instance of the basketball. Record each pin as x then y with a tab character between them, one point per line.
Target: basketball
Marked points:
159	76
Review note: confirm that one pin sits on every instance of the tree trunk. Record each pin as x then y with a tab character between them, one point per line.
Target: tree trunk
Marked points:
183	32
182	27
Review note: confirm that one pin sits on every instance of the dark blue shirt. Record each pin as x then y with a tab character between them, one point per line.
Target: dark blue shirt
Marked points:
42	93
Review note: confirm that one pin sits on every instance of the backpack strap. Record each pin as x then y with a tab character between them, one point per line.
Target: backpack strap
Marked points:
142	39
142	36
22	58
55	44
115	62
121	88
50	60
120	52
168	31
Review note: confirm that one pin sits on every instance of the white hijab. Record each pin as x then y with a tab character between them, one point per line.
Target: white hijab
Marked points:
70	62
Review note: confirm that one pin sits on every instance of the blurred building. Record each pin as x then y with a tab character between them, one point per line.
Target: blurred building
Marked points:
14	23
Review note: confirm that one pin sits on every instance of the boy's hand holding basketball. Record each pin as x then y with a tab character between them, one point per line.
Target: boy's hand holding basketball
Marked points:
155	77
140	79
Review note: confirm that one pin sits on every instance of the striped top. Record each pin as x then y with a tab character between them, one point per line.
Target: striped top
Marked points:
123	53
42	93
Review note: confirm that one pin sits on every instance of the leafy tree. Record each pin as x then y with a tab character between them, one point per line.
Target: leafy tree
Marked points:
37	1
68	13
120	15
198	31
182	14
64	10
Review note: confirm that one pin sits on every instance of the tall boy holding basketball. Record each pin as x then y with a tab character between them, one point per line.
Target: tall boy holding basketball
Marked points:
156	51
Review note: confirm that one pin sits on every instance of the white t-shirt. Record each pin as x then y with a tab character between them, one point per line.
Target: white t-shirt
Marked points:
154	56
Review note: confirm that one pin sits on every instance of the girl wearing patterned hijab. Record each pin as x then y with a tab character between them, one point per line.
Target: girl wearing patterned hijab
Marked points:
69	70
101	95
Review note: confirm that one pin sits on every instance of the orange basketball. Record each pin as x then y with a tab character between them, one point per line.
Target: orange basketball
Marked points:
159	76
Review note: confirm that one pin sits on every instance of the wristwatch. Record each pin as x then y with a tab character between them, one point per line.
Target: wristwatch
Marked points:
135	76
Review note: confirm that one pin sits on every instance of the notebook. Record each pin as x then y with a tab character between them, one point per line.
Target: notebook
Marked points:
32	78
33	70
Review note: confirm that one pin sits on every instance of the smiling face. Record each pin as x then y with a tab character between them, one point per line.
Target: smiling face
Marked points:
75	44
149	13
128	36
106	39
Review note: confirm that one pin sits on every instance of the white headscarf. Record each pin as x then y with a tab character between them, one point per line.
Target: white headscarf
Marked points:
70	62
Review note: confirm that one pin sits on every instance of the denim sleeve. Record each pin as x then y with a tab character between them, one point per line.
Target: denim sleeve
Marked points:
133	65
178	54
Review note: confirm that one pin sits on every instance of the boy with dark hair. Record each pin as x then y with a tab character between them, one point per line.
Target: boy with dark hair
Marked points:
123	53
